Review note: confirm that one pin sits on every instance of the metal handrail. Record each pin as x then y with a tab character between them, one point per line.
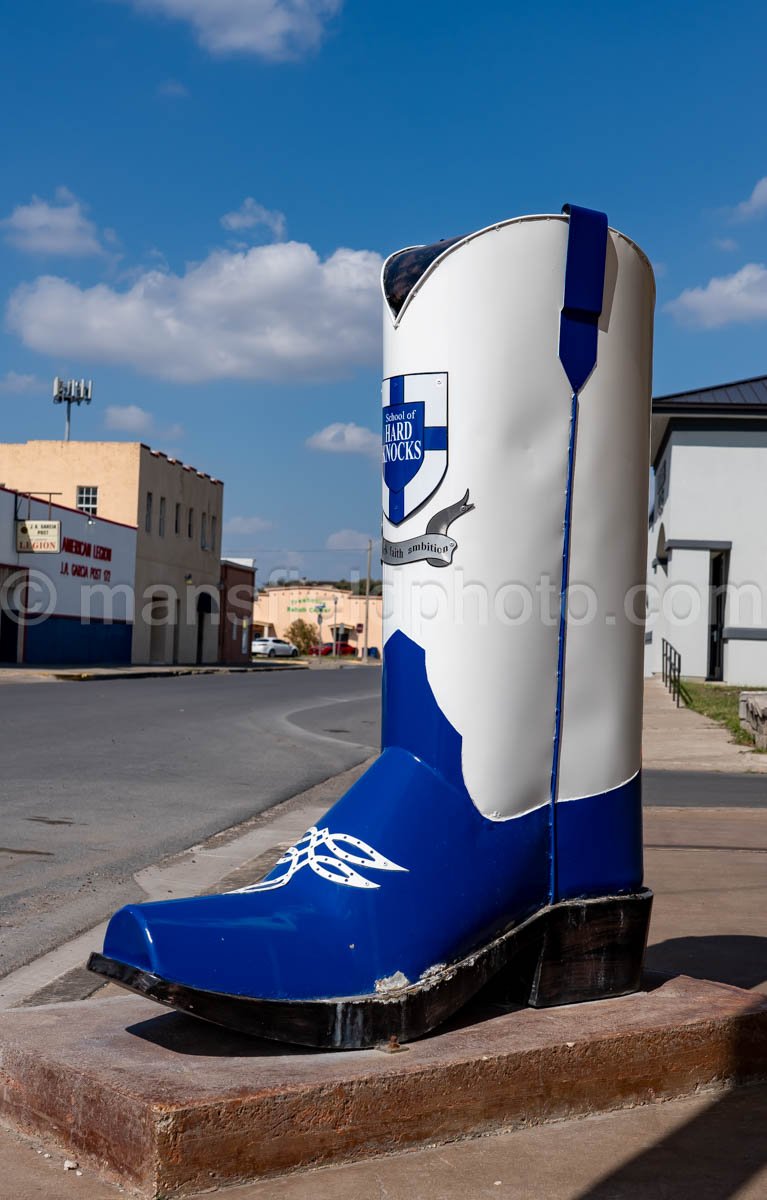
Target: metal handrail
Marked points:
672	670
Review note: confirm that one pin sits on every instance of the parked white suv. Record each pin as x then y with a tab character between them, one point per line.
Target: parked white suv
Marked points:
273	647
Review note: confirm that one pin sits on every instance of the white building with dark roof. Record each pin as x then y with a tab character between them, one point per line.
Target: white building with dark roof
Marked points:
707	549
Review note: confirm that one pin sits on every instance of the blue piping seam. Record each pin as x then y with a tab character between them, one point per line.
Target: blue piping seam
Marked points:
578	339
563	598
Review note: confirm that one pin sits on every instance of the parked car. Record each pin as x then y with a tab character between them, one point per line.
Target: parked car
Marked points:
273	647
343	648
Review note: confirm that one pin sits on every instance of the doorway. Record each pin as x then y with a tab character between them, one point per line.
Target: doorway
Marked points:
9	637
157	630
720	562
176	630
204	609
10	622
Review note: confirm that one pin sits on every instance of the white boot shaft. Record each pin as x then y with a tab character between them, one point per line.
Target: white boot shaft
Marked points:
478	336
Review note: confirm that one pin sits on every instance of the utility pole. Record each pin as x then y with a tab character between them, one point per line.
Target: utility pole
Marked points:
367	599
335	626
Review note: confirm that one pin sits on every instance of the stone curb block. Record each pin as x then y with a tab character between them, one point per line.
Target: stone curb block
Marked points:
169	1106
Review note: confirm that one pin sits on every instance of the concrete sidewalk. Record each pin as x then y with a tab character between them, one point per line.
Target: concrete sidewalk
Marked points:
22	674
678	739
86	674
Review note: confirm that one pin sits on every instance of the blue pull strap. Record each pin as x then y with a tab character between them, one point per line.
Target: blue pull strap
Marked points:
584	286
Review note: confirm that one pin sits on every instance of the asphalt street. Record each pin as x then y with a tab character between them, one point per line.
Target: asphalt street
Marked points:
103	779
703	789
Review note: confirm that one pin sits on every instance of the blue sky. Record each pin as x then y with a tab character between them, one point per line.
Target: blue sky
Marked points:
197	194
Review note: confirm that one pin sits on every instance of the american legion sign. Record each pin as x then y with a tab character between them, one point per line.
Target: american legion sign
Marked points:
66	584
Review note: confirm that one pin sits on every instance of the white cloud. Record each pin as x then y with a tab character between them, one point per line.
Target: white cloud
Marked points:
756	204
173	88
250	215
276	312
278	30
60	227
340	438
14	383
128	418
727	245
239	526
725	300
347	539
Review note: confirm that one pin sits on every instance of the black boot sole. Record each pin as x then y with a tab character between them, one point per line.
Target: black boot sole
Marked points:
567	953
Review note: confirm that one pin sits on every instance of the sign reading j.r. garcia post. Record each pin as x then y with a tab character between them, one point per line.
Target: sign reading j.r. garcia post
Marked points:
38	537
414	459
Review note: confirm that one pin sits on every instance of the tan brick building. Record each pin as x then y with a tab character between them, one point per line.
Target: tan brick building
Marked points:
342	614
177	512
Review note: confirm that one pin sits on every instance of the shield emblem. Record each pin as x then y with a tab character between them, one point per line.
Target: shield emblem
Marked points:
414	441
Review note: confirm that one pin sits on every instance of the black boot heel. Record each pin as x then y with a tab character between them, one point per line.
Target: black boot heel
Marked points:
578	950
573	951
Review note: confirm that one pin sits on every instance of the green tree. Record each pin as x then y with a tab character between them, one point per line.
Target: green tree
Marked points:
303	635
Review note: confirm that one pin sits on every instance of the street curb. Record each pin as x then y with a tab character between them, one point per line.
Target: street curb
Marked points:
95	676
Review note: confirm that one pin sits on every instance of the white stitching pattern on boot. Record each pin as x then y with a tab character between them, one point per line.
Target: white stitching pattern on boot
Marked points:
335	866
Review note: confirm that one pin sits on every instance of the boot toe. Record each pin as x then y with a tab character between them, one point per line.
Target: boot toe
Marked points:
129	939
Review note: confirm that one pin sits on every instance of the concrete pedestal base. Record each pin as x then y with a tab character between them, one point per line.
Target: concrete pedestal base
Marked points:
171	1106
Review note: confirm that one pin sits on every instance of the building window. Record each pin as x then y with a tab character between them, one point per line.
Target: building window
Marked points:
177	520
190	524
213	531
161	523
204	531
87	500
148	513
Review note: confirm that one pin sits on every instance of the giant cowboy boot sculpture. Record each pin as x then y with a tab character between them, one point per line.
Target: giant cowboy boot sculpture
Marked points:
497	839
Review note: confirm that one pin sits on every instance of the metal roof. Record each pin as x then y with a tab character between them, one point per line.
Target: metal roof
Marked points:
743	400
743	395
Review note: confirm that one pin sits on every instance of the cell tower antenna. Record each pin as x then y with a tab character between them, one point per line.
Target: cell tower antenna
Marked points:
69	392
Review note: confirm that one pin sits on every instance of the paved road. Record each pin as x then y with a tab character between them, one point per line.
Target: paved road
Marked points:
102	779
703	789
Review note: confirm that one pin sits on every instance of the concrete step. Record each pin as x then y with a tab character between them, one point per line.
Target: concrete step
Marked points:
169	1106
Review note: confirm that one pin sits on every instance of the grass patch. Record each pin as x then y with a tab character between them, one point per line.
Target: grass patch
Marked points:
720	704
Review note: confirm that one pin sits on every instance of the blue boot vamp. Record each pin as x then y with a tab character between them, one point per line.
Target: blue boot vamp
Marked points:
402	873
336	926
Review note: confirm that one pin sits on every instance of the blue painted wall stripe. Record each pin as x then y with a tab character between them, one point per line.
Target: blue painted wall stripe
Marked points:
59	641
